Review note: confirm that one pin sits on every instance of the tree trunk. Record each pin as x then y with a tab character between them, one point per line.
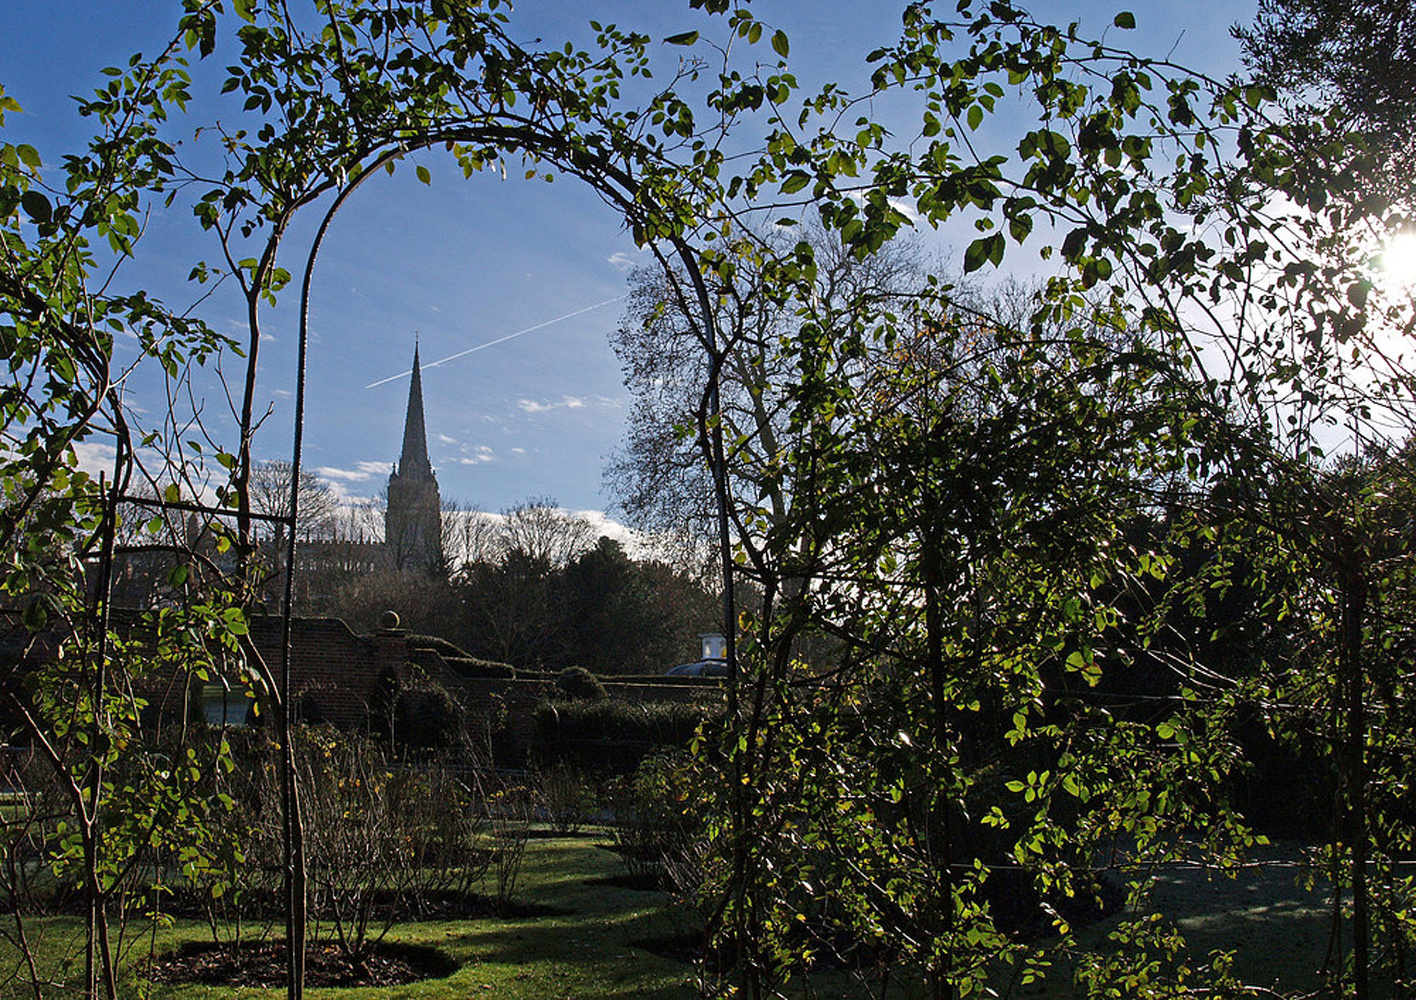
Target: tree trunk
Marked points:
1354	760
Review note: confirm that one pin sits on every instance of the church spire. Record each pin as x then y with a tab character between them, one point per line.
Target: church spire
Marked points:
414	459
412	519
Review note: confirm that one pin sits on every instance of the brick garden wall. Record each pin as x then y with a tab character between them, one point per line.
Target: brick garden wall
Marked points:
337	677
335	674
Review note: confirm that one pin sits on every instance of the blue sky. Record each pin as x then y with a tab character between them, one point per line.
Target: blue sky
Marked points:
462	263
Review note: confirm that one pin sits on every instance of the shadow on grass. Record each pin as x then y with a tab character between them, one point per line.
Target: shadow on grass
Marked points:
583	950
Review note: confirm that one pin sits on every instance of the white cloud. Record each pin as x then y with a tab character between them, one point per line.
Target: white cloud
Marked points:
518	451
621	261
94	457
905	208
197	481
478	455
565	403
636	545
447	440
361	472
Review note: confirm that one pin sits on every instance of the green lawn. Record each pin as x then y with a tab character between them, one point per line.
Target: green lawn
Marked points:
586	952
1276	929
587	949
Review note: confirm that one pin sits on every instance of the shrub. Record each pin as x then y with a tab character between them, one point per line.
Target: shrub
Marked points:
658	831
429	718
563	796
383	836
580	684
610	734
509	815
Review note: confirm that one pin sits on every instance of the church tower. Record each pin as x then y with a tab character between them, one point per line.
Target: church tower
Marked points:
413	520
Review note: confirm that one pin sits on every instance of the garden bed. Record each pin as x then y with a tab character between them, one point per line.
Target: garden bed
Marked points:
262	964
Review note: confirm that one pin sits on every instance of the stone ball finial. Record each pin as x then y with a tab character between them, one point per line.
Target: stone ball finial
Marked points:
389	620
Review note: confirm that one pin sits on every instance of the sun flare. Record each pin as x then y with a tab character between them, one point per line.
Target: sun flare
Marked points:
1399	259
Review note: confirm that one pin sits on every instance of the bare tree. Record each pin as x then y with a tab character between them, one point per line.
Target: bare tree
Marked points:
270	495
658	475
361	519
471	535
540	530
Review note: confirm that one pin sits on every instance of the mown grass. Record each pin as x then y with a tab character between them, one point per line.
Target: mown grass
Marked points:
584	950
1275	928
590	947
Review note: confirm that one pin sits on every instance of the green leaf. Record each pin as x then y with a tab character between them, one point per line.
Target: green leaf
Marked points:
975	255
780	44
29	156
36	615
684	38
423	174
795	181
984	250
1125	19
36	206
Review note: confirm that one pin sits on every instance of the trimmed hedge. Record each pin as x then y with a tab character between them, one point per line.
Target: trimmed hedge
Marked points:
611	680
664	679
460	661
611	719
473	668
580	684
611	734
438	645
544	676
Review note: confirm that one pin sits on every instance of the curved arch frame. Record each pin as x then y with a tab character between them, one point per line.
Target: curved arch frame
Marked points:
619	189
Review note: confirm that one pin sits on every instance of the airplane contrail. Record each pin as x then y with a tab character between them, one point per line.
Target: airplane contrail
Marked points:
499	340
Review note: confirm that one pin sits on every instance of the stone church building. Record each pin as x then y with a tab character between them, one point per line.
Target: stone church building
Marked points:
413	518
412	535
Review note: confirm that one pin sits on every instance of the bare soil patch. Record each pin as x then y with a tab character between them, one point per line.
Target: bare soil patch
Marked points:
262	964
